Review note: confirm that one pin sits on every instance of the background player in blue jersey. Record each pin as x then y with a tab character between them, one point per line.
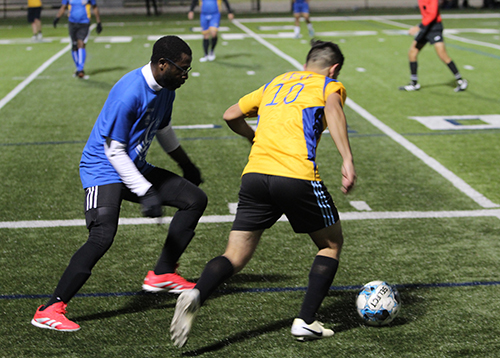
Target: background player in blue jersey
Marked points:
301	8
113	168
210	21
79	25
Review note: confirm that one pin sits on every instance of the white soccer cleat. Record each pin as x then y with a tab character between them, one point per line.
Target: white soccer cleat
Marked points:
211	56
186	308
306	332
461	85
410	87
204	59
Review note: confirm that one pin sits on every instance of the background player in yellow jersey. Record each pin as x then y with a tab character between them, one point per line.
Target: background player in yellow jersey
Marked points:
282	177
34	14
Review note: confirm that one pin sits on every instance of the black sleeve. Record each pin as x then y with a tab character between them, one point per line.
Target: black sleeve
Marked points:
229	10
193	5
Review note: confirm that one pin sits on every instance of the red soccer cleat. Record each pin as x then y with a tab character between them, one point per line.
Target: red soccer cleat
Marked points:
172	282
53	317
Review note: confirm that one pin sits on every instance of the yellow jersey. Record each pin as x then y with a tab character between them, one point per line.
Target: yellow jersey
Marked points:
34	3
290	122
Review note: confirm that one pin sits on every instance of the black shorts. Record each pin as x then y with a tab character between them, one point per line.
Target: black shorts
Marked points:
34	13
263	199
175	191
78	32
434	34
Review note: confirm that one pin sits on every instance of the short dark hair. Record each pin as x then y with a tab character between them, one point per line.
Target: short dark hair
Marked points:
171	47
324	54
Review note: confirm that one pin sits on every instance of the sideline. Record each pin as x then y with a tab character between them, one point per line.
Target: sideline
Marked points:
431	162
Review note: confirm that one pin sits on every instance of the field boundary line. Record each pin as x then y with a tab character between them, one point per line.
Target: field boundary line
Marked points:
214	219
386	21
32	76
431	162
415	16
35	74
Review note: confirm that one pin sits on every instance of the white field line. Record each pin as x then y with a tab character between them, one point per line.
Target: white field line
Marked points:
211	219
431	162
31	77
373	18
384	20
35	74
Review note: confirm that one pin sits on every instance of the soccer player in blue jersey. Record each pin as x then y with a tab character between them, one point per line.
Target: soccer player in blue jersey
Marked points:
210	21
281	177
301	8
79	29
113	168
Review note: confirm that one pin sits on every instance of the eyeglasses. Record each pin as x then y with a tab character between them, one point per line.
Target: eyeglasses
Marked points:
184	71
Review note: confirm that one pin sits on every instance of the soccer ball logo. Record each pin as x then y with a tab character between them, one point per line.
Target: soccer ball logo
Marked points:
378	303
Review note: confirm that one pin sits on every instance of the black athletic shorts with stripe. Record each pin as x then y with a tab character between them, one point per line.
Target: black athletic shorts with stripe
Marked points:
263	199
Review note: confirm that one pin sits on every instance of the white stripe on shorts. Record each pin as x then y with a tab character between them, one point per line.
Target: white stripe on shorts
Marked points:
322	201
91	202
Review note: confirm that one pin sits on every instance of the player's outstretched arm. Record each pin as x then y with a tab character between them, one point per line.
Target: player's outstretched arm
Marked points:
337	124
235	119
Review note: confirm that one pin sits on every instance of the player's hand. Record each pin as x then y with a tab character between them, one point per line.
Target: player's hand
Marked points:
56	20
98	29
151	204
190	15
414	30
348	176
191	173
230	16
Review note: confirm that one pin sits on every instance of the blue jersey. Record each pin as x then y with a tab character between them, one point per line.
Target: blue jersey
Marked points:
132	114
210	6
79	10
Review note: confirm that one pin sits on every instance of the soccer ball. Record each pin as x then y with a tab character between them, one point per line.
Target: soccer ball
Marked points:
378	303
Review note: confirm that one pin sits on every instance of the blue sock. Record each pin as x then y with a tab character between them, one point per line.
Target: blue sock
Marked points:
82	54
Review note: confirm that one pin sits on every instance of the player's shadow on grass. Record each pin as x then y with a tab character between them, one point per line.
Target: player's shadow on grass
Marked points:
341	315
106	69
241	336
342	312
140	302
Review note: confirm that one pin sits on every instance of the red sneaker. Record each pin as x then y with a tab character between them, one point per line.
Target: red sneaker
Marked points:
53	317
172	282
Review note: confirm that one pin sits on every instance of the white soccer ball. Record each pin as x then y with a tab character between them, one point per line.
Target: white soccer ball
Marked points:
378	303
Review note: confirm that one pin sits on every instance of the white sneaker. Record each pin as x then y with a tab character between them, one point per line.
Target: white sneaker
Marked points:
39	37
186	308
204	59
410	87
211	56
303	331
461	85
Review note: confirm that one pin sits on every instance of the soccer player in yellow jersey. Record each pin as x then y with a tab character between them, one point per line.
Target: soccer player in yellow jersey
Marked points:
282	177
34	15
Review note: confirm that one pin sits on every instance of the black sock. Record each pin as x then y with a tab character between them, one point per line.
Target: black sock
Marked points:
321	276
413	72
206	43
215	273
180	233
214	42
454	70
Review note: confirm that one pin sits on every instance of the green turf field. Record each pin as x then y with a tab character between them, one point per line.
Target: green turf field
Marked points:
425	215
